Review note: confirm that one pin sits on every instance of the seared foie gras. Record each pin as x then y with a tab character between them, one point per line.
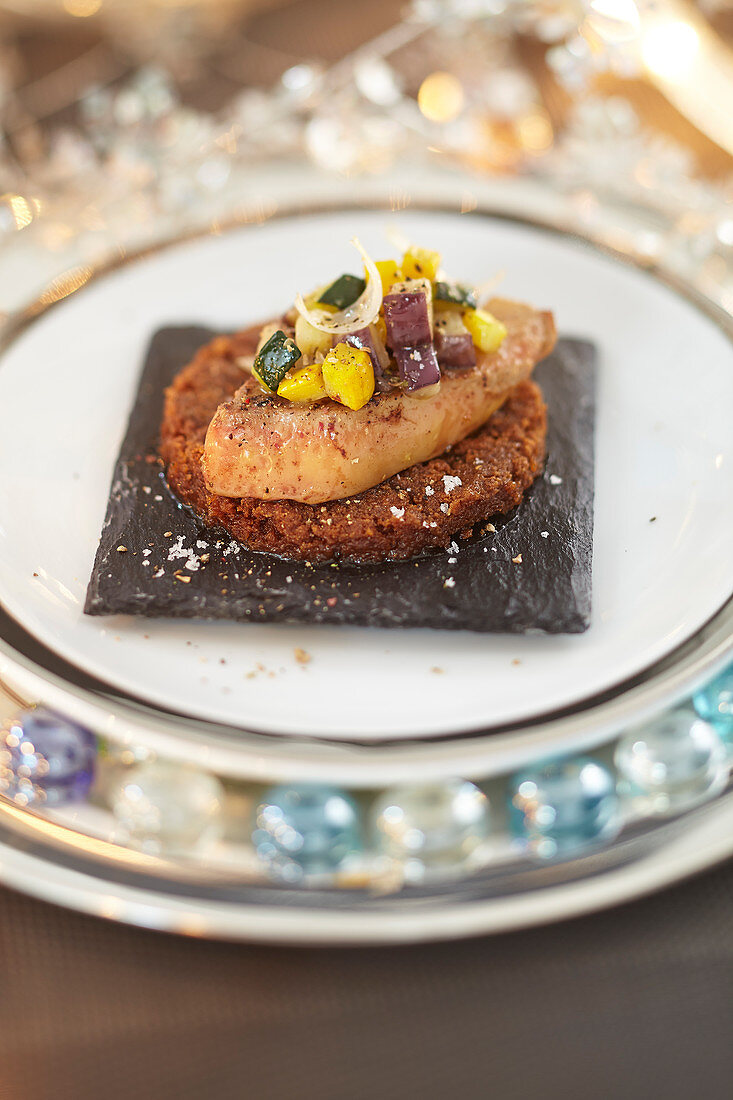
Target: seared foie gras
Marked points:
262	446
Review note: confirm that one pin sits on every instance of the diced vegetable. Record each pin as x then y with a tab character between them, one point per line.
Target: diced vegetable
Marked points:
389	273
371	340
265	334
487	333
455	295
348	375
313	301
275	359
303	384
309	339
420	263
455	351
418	366
408	314
343	292
453	342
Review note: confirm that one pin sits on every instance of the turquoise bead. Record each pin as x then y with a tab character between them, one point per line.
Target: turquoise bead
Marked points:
714	702
306	829
431	828
671	763
46	760
564	806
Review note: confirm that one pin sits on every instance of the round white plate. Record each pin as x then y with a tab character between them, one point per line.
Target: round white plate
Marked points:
664	450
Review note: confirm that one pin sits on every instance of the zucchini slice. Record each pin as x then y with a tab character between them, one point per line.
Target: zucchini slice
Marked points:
343	292
275	359
455	295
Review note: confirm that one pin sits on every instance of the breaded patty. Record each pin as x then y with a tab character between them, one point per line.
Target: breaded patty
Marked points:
427	505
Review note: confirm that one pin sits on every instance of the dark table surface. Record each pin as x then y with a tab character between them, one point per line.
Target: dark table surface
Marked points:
635	1002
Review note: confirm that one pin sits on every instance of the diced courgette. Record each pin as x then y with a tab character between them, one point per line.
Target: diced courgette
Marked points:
275	359
455	295
343	292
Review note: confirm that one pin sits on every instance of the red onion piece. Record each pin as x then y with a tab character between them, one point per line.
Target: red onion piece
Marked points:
408	320
363	338
455	350
418	366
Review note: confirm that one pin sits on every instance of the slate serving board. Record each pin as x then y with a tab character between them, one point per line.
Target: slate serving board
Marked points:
172	566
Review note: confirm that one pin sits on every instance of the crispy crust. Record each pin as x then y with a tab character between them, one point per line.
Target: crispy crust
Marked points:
395	520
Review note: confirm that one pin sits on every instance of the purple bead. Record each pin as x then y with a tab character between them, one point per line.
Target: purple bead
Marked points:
46	759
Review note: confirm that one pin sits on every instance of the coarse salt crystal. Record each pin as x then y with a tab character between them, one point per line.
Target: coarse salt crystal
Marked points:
555	480
451	483
449	582
444	507
398	513
429	491
545	534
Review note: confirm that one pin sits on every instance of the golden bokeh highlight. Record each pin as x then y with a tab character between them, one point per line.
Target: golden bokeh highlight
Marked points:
441	97
82	9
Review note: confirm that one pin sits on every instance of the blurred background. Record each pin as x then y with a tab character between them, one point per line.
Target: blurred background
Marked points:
125	121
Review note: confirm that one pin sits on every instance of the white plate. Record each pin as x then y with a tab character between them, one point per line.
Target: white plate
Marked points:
664	450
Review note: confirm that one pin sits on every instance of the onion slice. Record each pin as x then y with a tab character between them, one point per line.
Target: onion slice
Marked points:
359	314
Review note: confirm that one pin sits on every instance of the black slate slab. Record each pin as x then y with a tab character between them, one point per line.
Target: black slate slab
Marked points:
172	566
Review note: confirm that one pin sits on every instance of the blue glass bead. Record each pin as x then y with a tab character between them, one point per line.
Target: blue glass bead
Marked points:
46	759
308	829
564	806
714	702
671	763
431	827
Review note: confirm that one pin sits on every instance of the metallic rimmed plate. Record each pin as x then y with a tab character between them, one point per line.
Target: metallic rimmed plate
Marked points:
663	476
48	861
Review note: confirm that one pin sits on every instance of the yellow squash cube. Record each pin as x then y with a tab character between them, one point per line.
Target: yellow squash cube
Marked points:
303	384
486	332
389	273
348	375
420	263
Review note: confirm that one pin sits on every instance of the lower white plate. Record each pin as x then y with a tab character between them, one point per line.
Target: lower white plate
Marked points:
664	482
